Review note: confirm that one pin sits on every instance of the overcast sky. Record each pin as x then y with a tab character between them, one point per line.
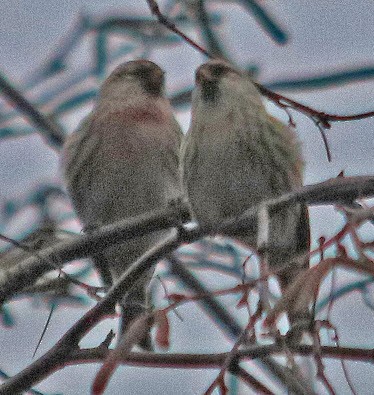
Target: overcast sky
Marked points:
325	35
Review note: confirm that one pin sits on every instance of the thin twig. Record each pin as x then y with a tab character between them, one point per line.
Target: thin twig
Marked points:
53	132
344	365
49	362
320	365
231	356
263	233
171	26
323	118
248	379
53	307
229	324
12	281
91	290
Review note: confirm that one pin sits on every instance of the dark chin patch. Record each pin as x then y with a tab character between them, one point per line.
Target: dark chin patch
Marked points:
210	91
151	79
151	86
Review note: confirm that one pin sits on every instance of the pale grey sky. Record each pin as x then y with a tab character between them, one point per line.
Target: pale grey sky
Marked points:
325	35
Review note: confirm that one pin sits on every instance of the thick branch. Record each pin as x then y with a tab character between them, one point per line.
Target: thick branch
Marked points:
340	190
28	271
214	361
181	361
60	352
14	280
327	192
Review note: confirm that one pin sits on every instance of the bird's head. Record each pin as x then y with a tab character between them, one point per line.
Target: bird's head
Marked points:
137	75
220	85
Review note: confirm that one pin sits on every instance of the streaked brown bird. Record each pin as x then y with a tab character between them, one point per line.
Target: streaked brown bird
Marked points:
236	155
123	161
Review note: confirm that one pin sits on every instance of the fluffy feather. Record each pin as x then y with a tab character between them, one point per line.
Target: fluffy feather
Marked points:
123	161
236	155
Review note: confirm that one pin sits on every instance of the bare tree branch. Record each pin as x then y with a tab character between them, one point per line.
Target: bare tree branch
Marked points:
28	271
171	26
335	190
328	192
284	102
61	351
232	328
76	356
322	117
12	281
49	129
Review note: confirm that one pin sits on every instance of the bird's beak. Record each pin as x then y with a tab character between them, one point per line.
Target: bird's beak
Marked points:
208	83
204	75
157	76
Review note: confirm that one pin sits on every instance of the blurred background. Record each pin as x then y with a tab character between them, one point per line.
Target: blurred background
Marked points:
56	54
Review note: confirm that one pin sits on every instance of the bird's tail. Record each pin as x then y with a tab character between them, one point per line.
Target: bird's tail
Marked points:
134	304
295	259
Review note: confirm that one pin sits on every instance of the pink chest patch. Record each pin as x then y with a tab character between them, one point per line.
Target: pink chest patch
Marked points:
132	132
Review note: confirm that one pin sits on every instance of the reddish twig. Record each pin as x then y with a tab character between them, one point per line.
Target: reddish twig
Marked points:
233	353
321	119
167	296
320	116
171	26
251	381
91	290
243	302
318	358
344	366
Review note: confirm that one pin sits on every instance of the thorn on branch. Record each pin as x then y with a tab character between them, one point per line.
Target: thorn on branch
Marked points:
108	339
